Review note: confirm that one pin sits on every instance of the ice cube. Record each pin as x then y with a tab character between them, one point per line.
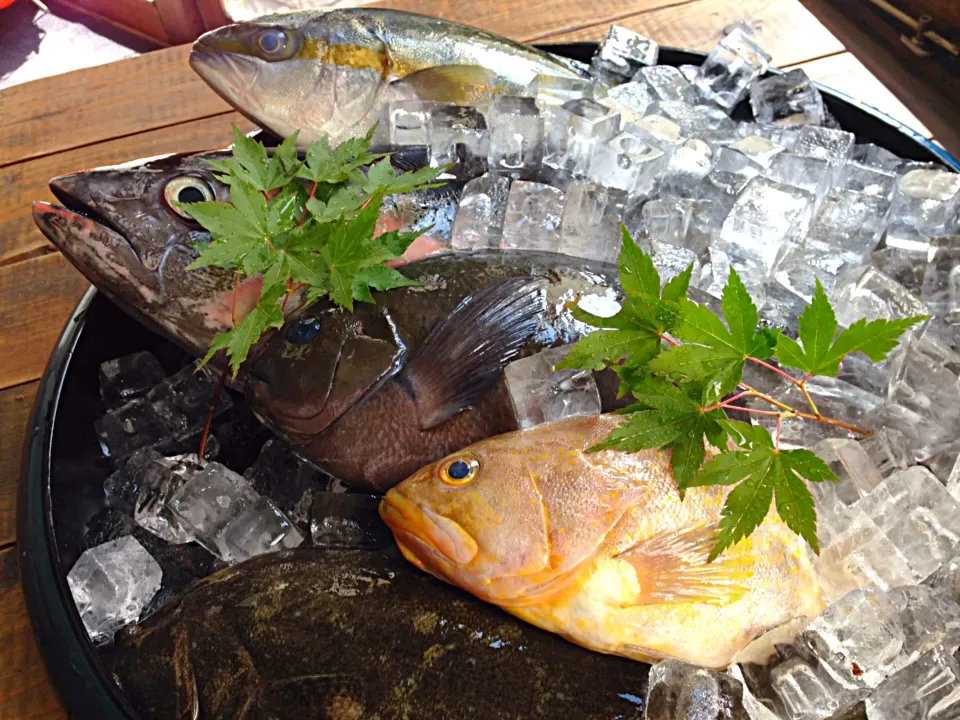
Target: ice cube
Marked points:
689	72
209	501
478	224
924	386
867	180
927	689
577	129
259	529
857	473
679	691
868	293
730	68
348	521
541	394
876	157
804	690
925	205
407	123
678	221
799	268
516	131
458	136
158	483
919	516
183	399
629	163
671	260
834	146
621	53
112	584
765	217
126	378
123	485
591	222
705	122
631	100
887	450
130	427
533	217
787	99
925	437
667	83
851	221
800	171
855	553
929	616
284	476
905	267
551	91
941	279
657	130
688	165
758	148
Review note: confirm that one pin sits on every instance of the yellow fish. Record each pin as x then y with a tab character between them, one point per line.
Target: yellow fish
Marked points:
598	547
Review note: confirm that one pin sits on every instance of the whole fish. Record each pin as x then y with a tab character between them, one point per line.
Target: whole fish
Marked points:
330	74
372	395
120	227
599	547
352	636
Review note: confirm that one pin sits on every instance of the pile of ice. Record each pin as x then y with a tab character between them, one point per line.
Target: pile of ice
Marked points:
167	501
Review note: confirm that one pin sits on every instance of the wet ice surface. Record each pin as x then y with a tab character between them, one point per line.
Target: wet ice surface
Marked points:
783	199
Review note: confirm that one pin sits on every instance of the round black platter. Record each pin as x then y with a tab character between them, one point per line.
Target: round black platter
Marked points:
63	469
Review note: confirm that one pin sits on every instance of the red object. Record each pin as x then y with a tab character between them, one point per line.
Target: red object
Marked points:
6	3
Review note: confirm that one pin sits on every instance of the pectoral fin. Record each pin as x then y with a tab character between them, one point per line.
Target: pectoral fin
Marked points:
459	84
463	356
672	568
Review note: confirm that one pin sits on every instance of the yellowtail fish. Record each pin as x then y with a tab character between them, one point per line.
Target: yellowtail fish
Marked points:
599	547
330	74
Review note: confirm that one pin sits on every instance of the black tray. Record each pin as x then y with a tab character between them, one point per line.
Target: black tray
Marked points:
63	471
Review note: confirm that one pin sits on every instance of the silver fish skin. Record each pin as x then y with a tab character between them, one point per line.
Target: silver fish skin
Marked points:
330	74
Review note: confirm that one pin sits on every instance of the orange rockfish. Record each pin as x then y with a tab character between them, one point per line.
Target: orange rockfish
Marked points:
598	547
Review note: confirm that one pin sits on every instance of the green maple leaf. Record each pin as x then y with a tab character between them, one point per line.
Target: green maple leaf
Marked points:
342	203
224	253
283	166
336	165
223	220
378	277
238	341
350	249
381	177
717	353
397	241
251	160
634	334
821	354
761	473
284	211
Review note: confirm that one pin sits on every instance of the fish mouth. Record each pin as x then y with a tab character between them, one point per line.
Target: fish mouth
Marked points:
420	531
65	189
229	74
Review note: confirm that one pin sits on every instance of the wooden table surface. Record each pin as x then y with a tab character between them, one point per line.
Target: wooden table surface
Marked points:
154	104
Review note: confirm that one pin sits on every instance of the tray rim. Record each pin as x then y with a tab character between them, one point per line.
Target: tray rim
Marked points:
81	681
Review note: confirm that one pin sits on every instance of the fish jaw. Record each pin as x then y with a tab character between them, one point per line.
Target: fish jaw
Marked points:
439	535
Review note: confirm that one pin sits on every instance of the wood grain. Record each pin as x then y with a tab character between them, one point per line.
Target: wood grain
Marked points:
38	296
181	20
27	181
88	106
784	28
850	76
25	690
15	406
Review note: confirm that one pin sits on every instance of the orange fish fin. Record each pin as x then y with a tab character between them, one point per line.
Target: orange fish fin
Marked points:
672	567
452	83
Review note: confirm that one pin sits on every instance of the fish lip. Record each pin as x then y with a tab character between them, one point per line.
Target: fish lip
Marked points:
413	520
42	209
84	208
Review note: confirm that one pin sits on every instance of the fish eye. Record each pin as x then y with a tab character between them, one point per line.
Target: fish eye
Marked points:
186	189
302	330
276	44
460	470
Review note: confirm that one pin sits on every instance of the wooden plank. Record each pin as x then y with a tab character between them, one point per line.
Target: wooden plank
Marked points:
530	20
137	17
27	181
784	28
38	295
848	75
212	14
25	690
15	406
87	106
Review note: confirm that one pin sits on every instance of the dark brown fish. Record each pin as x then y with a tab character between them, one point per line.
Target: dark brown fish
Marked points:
351	635
374	395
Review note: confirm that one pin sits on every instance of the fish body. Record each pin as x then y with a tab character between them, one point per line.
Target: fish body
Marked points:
372	395
599	547
118	225
351	635
330	74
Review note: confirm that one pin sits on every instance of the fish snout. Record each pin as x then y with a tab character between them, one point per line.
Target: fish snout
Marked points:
439	534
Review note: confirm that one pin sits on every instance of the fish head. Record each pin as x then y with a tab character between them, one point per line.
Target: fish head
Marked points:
121	227
477	519
321	364
318	73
